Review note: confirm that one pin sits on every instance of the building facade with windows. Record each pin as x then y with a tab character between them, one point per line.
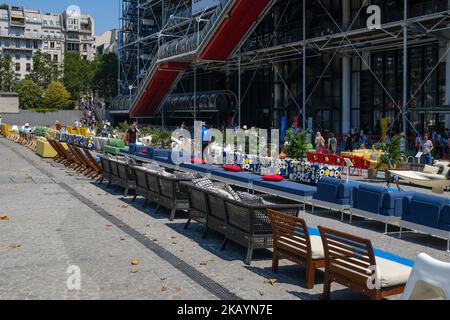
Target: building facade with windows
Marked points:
24	31
313	62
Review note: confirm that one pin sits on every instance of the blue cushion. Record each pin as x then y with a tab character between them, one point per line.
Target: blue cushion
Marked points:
288	187
163	153
393	204
444	226
425	210
163	160
326	191
445	215
345	191
238	176
203	168
368	198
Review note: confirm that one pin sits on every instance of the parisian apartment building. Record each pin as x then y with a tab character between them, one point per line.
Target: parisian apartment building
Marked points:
23	31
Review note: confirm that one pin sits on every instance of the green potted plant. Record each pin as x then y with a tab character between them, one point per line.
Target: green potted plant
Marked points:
296	146
392	156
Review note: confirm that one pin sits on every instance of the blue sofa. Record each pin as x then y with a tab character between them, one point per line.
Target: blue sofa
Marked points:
378	203
333	194
428	214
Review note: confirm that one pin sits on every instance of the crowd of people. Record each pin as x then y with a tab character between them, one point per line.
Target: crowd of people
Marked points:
88	120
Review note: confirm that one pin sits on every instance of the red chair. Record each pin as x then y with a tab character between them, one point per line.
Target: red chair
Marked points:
320	158
333	159
359	164
339	161
327	159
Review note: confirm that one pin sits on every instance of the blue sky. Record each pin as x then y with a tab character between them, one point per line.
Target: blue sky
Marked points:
105	12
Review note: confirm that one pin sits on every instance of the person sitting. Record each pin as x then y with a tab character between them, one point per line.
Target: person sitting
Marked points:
26	128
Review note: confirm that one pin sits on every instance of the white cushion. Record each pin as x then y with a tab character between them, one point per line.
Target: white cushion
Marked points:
444	165
430	169
391	273
318	252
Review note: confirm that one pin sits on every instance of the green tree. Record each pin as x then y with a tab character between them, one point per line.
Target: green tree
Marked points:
45	70
105	80
78	75
7	75
30	94
56	96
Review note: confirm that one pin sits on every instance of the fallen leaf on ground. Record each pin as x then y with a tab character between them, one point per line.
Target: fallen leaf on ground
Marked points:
135	262
4	217
163	289
271	281
15	246
261	293
155	240
203	263
174	242
121	225
178	289
123	239
124	206
148	225
163	279
134	271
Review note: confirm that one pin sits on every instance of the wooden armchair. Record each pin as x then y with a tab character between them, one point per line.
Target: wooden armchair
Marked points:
350	261
291	240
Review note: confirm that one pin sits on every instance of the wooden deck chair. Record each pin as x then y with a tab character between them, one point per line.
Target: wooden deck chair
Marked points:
94	164
351	262
291	240
71	161
84	166
91	168
59	155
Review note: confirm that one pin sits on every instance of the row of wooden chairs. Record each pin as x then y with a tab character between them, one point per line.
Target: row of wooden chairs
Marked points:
79	159
359	163
25	139
347	259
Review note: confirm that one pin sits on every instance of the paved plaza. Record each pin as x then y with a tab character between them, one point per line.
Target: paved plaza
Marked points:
53	218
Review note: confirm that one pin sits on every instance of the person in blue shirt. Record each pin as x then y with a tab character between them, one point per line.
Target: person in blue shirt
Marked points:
26	128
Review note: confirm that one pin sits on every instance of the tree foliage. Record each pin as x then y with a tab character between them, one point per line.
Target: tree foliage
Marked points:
105	80
7	75
45	70
30	94
56	95
78	74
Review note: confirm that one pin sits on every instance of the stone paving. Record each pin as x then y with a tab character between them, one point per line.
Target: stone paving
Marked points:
59	219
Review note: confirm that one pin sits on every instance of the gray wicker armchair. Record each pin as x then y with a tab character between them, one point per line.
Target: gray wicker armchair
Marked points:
125	178
173	195
250	226
106	170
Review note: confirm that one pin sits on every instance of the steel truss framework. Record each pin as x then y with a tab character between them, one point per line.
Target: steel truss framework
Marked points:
173	19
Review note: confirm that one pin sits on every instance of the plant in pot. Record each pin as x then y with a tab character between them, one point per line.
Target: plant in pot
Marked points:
391	158
296	146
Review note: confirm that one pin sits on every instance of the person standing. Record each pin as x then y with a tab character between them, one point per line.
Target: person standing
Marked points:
319	142
332	143
349	143
58	125
427	148
132	133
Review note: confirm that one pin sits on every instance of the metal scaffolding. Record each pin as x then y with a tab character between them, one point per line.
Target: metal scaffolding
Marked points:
153	32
